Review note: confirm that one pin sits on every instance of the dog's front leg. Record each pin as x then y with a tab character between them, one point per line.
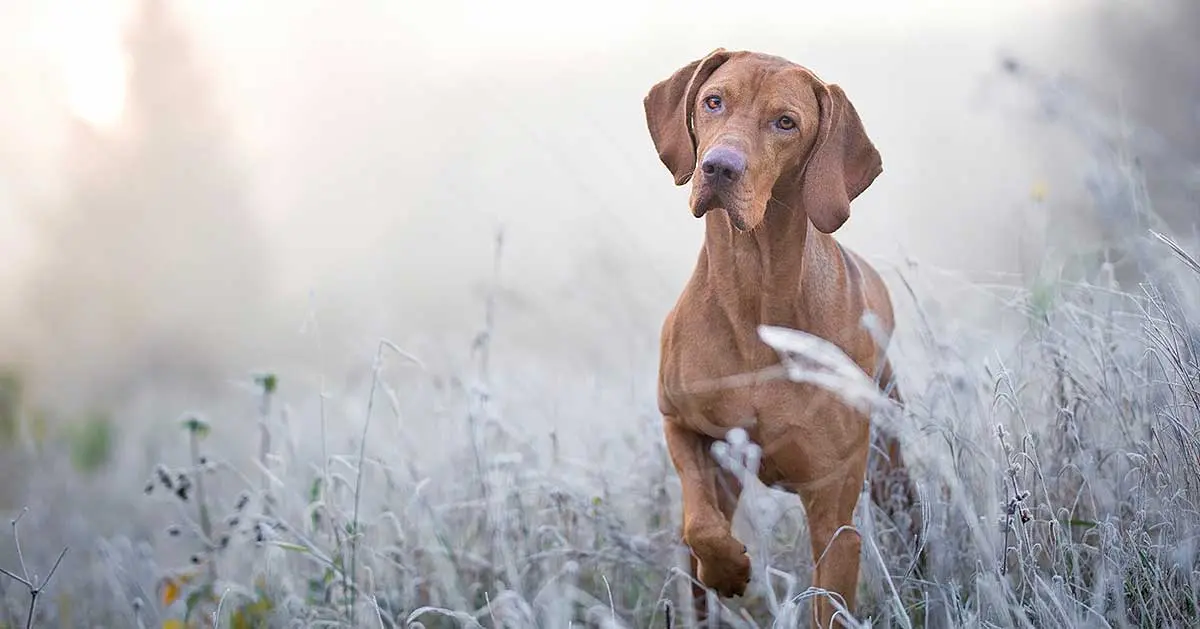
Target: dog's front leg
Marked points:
721	560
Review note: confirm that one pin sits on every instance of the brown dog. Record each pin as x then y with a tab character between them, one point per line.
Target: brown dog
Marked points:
775	157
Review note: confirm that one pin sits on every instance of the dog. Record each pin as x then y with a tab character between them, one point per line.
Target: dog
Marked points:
775	156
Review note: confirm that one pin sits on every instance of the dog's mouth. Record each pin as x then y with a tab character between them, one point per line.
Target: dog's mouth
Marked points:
709	200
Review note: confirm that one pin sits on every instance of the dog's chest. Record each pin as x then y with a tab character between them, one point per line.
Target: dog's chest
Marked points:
768	407
716	376
716	384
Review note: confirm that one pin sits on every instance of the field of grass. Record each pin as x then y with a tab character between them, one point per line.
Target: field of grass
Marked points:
1052	427
1056	447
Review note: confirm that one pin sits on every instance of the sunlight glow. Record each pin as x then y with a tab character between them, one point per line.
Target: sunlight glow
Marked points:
95	83
90	59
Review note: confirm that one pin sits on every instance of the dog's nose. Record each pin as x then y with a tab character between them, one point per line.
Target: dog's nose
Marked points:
723	165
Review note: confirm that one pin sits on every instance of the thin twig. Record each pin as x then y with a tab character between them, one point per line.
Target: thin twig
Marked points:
35	590
16	578
376	368
54	568
17	541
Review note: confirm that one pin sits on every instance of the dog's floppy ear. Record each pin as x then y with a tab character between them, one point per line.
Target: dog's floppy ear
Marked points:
669	108
843	161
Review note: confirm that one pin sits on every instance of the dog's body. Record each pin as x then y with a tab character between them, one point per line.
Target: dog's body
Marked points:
775	156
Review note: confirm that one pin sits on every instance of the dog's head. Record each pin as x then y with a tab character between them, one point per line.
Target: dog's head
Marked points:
746	128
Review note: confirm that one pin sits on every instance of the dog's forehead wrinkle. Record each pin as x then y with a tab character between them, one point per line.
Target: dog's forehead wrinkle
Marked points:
792	86
773	87
757	90
741	74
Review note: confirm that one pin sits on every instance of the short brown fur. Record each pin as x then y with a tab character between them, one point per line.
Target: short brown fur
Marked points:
768	258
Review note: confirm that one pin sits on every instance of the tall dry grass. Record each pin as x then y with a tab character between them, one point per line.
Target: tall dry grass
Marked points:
1058	467
1053	439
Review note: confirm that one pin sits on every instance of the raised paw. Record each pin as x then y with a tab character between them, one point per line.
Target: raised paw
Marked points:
728	575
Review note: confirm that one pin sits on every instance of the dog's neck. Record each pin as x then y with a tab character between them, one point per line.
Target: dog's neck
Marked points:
757	277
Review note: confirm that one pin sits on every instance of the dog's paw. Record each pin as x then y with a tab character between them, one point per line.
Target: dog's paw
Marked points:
728	576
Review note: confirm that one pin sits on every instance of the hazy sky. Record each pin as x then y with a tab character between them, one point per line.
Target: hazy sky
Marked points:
383	142
269	60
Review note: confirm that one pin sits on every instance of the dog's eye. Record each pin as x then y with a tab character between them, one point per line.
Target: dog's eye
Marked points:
786	123
713	103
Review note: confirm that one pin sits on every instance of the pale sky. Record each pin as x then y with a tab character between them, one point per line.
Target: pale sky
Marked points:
382	142
295	77
60	53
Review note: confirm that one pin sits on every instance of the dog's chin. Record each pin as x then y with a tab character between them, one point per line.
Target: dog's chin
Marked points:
705	200
706	203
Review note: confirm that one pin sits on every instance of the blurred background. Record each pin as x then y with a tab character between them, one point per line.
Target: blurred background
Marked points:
194	191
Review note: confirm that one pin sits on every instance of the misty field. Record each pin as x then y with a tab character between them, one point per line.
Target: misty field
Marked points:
422	393
1056	452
